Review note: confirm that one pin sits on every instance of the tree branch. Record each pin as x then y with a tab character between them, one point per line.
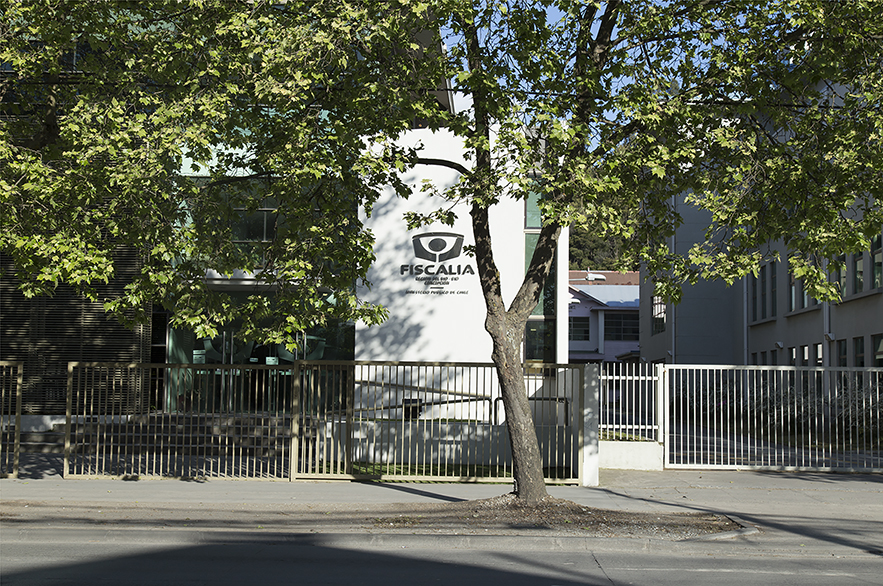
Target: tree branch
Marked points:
443	163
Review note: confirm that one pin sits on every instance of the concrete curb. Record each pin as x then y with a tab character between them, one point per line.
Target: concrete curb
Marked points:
746	529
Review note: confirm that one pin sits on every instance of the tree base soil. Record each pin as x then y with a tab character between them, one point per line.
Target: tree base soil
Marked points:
502	515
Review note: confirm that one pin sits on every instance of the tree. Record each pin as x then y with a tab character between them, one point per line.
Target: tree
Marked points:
588	251
764	113
164	127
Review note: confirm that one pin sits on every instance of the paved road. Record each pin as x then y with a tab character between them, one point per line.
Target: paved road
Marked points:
813	529
84	558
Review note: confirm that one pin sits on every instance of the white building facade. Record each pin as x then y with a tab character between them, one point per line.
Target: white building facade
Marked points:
430	284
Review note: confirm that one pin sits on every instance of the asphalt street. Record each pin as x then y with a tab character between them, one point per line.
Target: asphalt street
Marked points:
807	529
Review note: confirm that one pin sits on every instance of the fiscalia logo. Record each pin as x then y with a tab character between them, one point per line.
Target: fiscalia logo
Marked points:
437	246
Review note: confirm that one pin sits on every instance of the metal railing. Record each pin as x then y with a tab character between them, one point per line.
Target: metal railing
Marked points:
11	379
419	421
395	421
784	418
630	406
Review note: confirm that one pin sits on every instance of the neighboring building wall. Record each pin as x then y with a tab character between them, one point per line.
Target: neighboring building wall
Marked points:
785	326
768	319
706	326
585	344
601	303
48	332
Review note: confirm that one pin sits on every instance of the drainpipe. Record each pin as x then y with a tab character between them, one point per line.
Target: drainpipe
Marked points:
674	321
601	332
745	320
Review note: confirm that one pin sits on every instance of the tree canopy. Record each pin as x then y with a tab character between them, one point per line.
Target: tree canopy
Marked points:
166	126
765	114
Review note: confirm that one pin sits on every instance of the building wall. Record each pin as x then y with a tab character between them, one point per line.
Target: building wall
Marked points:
767	319
794	329
441	317
706	327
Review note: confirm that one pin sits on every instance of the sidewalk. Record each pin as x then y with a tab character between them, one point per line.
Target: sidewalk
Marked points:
836	513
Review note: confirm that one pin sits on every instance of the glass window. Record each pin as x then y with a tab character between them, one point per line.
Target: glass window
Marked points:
621	326
774	268
579	328
877	349
792	292
841	276
804	355
858	273
774	357
754	358
841	352
763	292
753	298
539	341
858	351
257	227
877	259
532	216
658	315
546	306
792	356
818	355
763	358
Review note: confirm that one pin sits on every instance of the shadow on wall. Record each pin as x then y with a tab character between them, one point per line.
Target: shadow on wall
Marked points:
436	323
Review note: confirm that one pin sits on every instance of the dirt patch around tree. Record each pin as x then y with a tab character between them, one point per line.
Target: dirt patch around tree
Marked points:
501	515
551	517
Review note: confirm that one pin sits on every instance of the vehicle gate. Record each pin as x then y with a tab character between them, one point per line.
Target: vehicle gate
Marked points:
773	417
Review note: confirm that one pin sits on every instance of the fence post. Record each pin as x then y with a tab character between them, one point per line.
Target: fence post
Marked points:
589	461
294	452
67	420
663	411
350	394
11	419
19	384
659	390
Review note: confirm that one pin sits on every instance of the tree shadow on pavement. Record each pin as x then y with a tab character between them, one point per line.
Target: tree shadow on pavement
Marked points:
862	535
252	559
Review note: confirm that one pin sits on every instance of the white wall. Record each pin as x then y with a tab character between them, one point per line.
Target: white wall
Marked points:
441	320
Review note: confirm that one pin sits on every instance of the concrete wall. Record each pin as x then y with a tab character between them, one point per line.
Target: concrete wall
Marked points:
631	455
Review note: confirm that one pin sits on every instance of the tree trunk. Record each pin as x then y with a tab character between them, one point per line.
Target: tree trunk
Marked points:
530	484
506	328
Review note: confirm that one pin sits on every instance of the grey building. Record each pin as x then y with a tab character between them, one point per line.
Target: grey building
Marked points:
767	318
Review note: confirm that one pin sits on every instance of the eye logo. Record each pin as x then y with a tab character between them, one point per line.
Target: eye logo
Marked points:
437	246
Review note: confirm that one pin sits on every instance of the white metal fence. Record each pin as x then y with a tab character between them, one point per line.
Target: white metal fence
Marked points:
782	418
11	376
414	421
445	421
760	417
631	409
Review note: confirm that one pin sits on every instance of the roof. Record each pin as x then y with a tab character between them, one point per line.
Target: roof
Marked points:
612	296
604	278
